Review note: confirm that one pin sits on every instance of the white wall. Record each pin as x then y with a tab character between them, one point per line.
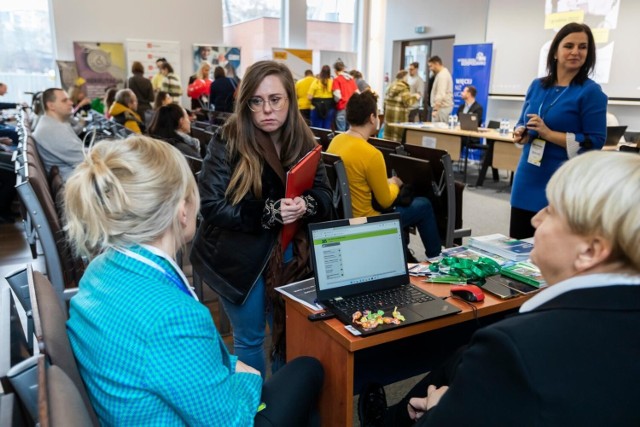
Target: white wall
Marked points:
195	21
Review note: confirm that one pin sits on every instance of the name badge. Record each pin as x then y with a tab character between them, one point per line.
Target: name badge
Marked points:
536	152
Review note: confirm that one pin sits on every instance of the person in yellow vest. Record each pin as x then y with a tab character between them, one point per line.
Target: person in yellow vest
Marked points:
302	89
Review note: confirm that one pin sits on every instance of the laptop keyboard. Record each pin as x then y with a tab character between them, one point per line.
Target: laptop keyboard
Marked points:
396	297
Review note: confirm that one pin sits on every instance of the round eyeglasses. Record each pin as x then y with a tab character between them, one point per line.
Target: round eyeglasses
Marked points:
275	102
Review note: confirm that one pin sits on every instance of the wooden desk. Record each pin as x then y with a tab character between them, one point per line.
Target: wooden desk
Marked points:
336	348
502	152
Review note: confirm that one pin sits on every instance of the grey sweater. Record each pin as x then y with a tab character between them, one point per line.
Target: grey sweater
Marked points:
58	145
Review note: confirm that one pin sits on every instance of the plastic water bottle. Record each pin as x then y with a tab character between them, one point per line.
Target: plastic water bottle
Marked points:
452	121
504	126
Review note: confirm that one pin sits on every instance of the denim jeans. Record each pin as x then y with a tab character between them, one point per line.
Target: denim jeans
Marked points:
249	321
420	214
341	120
318	122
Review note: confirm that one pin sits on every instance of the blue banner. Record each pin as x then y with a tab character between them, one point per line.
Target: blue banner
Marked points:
472	66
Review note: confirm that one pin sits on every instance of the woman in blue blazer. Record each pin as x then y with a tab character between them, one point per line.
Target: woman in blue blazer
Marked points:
147	349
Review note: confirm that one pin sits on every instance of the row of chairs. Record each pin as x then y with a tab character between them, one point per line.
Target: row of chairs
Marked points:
45	387
439	183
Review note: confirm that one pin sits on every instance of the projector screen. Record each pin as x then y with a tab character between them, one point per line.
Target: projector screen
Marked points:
521	32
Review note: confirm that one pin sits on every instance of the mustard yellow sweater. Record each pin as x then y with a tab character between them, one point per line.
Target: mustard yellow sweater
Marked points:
366	173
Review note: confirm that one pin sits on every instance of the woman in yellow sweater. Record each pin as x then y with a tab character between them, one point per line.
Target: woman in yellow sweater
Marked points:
367	173
321	96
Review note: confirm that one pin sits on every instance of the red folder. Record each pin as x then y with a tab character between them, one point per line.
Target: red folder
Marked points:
299	179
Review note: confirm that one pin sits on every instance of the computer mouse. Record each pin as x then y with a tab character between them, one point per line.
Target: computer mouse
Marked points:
470	293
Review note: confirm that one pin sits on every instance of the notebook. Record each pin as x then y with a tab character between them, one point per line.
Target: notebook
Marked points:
299	179
469	121
614	133
358	263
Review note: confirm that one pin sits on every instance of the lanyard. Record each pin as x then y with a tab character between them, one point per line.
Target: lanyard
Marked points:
182	283
552	104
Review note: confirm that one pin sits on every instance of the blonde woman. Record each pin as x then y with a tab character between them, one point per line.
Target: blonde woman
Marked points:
199	85
148	351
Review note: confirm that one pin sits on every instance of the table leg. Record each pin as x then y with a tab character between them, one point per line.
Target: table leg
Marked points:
486	162
308	339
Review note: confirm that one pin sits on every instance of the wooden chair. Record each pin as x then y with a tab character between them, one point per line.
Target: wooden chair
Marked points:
339	183
49	319
60	403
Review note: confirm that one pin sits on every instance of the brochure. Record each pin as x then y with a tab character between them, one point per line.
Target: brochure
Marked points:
499	244
525	272
303	291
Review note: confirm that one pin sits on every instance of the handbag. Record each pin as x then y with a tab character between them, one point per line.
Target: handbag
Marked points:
322	106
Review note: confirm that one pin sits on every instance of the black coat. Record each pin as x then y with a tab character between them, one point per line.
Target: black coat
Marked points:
231	248
143	89
573	361
221	94
474	109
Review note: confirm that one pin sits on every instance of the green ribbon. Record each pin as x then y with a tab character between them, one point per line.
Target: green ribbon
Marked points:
466	268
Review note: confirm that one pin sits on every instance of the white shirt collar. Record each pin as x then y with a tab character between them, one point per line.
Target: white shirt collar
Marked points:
579	282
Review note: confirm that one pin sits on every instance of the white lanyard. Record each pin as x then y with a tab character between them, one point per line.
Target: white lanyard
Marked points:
184	284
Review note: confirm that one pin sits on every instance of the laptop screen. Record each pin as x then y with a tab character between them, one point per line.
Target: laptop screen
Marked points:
346	255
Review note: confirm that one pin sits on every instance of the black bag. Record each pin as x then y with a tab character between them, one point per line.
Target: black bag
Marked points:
322	106
404	199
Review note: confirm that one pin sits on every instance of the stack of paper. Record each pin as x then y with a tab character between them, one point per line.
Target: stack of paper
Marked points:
499	244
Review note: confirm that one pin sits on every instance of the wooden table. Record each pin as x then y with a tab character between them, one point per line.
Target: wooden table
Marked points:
336	348
502	153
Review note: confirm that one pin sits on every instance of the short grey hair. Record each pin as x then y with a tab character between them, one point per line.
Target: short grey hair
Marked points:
597	194
125	96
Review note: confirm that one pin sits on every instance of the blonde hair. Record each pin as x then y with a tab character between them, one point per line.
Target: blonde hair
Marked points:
201	74
127	192
597	193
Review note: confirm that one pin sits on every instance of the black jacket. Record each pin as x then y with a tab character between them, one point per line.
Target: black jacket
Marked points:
573	361
474	109
231	248
143	89
221	94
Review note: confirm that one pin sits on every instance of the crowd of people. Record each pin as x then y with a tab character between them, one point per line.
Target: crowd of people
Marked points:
151	354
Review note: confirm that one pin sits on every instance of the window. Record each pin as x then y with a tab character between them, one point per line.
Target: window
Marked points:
331	11
27	63
235	11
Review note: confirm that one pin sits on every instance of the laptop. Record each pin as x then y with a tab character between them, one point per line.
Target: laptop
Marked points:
469	121
359	264
614	133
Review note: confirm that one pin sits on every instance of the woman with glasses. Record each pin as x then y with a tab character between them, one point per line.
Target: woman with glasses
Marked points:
237	250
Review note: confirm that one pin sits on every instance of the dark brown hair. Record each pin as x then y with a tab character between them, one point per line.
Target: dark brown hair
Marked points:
589	63
240	132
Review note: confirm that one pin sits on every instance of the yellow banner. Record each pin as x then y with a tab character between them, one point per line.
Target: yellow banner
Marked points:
281	55
555	21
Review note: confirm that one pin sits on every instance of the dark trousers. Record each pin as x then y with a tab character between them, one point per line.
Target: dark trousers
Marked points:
520	225
291	395
398	415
